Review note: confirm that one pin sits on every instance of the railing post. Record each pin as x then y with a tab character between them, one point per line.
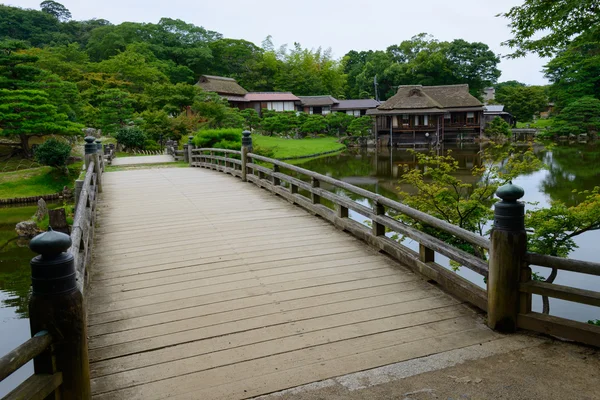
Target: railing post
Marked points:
378	229
186	155
342	212
56	305
190	147
276	181
100	151
90	149
426	254
316	199
246	148
507	253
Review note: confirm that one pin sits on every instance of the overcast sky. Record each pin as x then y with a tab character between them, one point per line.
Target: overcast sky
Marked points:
342	25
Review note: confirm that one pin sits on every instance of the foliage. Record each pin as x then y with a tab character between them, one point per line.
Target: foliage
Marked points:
251	118
314	124
156	125
219	138
25	113
580	116
547	26
116	110
338	122
575	72
523	102
594	322
36	181
465	203
279	122
215	112
53	153
131	138
554	228
498	128
361	126
55	9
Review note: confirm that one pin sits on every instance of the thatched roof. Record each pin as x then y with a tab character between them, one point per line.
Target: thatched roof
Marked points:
221	85
317	101
414	97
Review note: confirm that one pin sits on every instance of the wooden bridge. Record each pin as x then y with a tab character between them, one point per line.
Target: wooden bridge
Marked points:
206	286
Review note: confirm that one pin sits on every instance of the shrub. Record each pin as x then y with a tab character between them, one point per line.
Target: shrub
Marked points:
219	138
361	126
53	153
151	145
580	116
498	127
131	138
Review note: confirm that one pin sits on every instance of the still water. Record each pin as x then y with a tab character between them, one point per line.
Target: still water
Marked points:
573	167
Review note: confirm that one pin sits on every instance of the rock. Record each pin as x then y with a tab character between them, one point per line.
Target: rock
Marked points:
42	210
27	229
58	220
67	192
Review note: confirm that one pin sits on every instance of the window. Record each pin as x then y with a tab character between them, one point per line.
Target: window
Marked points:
326	110
447	116
288	106
416	120
470	118
426	120
349	112
394	121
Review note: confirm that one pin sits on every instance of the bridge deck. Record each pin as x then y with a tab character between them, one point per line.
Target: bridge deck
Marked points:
205	287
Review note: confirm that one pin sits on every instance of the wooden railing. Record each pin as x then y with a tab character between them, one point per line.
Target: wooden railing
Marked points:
57	315
507	297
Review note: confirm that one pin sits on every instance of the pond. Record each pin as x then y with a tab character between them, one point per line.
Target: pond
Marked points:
569	167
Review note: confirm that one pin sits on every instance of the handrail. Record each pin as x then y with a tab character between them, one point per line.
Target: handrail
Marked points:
461	233
20	356
565	264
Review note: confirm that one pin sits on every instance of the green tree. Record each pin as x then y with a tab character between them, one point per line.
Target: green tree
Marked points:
115	111
580	116
498	128
314	124
26	113
35	27
361	126
279	122
338	123
55	9
523	102
547	26
156	124
131	137
251	118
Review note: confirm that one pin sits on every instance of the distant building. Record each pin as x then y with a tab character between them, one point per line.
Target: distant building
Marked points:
357	108
324	105
228	88
489	93
422	114
276	101
492	111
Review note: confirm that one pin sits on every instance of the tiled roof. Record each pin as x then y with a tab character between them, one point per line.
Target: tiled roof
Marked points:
271	96
311	101
359	104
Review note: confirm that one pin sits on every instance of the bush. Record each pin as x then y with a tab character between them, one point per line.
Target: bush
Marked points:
361	126
151	145
131	138
580	116
219	138
498	127
53	153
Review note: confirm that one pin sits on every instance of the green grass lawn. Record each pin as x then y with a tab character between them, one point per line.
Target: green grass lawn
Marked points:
36	181
539	124
277	147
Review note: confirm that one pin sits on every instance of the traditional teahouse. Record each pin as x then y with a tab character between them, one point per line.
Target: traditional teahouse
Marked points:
427	114
228	88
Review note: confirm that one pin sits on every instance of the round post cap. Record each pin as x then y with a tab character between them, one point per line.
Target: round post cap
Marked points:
50	243
510	192
98	141
89	139
190	139
246	133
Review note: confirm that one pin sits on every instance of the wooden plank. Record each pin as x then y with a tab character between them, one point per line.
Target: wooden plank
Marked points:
20	356
568	293
560	327
36	387
565	264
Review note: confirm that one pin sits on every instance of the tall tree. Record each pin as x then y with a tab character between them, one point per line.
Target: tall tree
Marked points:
116	110
26	113
55	9
523	101
547	26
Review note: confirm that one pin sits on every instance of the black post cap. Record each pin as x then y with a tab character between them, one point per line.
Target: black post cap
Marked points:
53	270
90	147
509	214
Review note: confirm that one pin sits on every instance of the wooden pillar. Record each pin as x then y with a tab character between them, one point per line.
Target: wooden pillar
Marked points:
276	181
90	149
378	229
507	253
190	147
78	187
56	306
246	148
316	199
426	254
341	211
98	170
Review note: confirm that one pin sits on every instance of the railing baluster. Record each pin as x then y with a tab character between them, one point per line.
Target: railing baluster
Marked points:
378	229
342	212
276	181
316	199
426	254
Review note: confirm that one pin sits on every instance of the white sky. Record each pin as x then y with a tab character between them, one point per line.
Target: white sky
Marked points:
342	25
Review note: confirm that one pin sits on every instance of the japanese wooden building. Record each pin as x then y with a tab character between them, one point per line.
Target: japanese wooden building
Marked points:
428	114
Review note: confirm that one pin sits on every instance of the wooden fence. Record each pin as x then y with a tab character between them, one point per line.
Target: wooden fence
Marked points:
57	315
507	297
